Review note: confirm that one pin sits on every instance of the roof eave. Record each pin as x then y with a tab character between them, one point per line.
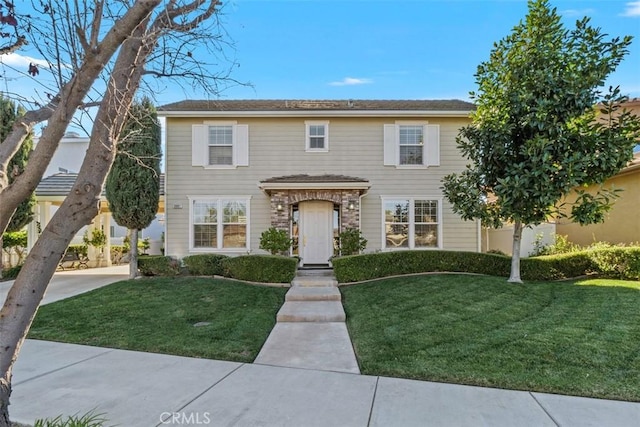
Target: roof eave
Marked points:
317	113
267	187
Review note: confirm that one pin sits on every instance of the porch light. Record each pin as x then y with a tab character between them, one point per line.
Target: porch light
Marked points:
279	207
352	205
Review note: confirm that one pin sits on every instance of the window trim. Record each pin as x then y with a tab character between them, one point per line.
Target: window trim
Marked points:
412	222
219	224
307	125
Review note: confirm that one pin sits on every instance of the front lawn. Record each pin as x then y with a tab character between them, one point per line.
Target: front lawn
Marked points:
158	315
577	338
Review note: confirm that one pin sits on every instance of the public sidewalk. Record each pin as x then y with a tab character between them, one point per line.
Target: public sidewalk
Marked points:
144	389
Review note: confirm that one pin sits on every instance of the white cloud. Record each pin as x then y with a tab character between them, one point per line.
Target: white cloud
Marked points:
577	12
21	61
351	81
633	9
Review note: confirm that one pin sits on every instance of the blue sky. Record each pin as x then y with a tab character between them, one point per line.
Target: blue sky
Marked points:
374	49
402	49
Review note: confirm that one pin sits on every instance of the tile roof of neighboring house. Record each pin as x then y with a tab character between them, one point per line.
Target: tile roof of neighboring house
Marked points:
61	184
303	178
319	105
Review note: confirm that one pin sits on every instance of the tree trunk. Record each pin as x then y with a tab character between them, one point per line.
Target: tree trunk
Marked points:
1	257
515	256
5	393
133	254
79	208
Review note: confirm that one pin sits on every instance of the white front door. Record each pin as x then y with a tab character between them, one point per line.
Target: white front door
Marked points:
316	226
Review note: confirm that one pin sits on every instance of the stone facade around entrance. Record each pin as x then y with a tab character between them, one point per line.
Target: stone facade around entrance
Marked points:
282	200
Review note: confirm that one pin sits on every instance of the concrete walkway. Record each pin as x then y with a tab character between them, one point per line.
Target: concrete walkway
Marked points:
310	332
143	389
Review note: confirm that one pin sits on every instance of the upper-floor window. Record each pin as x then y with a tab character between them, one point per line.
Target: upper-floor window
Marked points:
317	136
220	145
411	144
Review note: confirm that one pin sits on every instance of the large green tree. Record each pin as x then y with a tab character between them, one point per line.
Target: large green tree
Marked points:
23	214
543	127
133	184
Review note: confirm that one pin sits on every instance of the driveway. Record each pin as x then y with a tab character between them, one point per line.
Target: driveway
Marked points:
65	284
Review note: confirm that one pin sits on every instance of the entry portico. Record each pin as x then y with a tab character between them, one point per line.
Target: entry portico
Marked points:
314	210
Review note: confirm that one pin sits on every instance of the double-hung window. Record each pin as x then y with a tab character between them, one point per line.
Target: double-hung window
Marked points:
411	223
411	144
219	223
317	136
219	145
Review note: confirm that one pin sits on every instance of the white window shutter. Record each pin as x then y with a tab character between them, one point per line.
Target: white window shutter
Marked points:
199	145
241	145
390	146
432	146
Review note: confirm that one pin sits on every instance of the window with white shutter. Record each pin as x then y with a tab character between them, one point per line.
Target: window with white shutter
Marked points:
220	145
411	145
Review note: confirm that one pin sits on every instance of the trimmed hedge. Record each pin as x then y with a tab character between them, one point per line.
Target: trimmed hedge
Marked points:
205	264
158	265
260	268
357	268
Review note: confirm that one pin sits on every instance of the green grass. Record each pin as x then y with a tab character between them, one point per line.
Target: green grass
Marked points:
578	338
158	314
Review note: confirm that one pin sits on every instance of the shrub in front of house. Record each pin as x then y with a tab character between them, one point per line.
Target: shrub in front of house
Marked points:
351	242
261	268
617	262
372	266
277	242
11	272
81	250
204	264
158	265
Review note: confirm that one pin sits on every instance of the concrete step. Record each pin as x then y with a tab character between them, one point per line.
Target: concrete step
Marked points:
314	281
324	272
314	293
311	311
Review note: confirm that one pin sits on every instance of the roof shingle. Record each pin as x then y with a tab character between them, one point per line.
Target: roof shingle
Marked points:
319	105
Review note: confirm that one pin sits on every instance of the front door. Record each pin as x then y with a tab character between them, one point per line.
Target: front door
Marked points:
316	230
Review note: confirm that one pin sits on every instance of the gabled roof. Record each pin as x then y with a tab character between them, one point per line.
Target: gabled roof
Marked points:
60	184
298	107
314	182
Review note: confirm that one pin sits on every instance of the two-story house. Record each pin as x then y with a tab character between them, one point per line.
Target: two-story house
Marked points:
234	168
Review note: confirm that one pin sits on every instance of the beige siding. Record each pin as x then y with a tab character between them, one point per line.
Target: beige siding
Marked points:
277	148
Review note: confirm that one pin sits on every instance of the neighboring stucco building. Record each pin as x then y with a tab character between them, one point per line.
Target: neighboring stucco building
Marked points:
58	180
622	224
234	168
